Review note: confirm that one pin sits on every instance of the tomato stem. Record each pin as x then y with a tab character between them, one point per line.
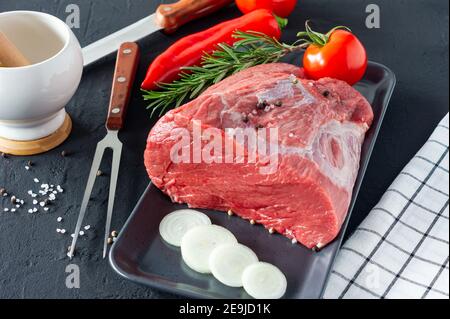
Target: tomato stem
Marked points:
282	22
313	37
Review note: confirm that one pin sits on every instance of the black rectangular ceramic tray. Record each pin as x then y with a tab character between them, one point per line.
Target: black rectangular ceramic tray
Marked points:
142	256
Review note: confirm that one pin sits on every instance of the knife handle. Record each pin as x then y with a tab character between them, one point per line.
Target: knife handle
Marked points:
126	65
172	16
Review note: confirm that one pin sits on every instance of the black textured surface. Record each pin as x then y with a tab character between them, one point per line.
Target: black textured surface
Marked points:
412	41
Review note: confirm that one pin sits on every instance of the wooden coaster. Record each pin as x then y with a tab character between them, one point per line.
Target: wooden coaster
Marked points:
37	146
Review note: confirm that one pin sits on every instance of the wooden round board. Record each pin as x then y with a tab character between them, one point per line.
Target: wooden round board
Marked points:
37	146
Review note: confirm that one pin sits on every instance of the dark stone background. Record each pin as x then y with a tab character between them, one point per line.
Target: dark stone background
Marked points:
412	40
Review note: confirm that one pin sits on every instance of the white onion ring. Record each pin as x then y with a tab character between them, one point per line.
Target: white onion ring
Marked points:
199	242
264	281
228	262
176	224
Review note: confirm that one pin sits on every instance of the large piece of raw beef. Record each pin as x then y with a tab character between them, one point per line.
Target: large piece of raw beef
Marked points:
321	127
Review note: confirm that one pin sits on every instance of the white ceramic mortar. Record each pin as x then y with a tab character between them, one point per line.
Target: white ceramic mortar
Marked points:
32	98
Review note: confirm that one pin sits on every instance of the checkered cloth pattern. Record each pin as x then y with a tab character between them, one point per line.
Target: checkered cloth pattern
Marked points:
401	250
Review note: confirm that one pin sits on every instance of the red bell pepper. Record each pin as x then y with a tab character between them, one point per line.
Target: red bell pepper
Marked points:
189	50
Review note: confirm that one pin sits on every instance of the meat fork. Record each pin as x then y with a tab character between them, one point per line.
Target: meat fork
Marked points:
126	65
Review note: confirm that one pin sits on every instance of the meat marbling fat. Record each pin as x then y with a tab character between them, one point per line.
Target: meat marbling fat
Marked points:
321	127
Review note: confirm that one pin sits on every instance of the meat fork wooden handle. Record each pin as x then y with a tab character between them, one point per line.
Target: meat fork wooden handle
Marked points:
172	16
126	65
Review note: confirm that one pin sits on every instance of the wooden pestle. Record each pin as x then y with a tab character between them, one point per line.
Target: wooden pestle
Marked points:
10	56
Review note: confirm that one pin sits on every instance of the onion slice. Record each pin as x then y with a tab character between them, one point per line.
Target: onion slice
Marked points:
264	281
199	242
227	263
176	224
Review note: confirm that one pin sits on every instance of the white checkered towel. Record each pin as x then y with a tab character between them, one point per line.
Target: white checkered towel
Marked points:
401	250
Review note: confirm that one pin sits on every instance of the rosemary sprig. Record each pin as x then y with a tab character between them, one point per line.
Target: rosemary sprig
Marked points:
252	48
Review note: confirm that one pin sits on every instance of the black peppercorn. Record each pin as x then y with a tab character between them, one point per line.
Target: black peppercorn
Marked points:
278	103
261	105
326	93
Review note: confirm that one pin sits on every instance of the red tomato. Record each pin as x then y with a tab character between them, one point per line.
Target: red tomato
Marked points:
282	8
246	6
343	57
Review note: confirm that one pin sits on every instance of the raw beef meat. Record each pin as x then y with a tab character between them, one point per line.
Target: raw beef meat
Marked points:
321	126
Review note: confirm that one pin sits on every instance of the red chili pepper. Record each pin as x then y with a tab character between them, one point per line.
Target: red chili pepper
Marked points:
189	50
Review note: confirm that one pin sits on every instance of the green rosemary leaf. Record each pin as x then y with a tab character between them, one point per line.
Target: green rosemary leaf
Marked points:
197	90
181	99
220	77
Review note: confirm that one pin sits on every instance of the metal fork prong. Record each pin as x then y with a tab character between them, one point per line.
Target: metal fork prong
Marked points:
117	152
99	151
